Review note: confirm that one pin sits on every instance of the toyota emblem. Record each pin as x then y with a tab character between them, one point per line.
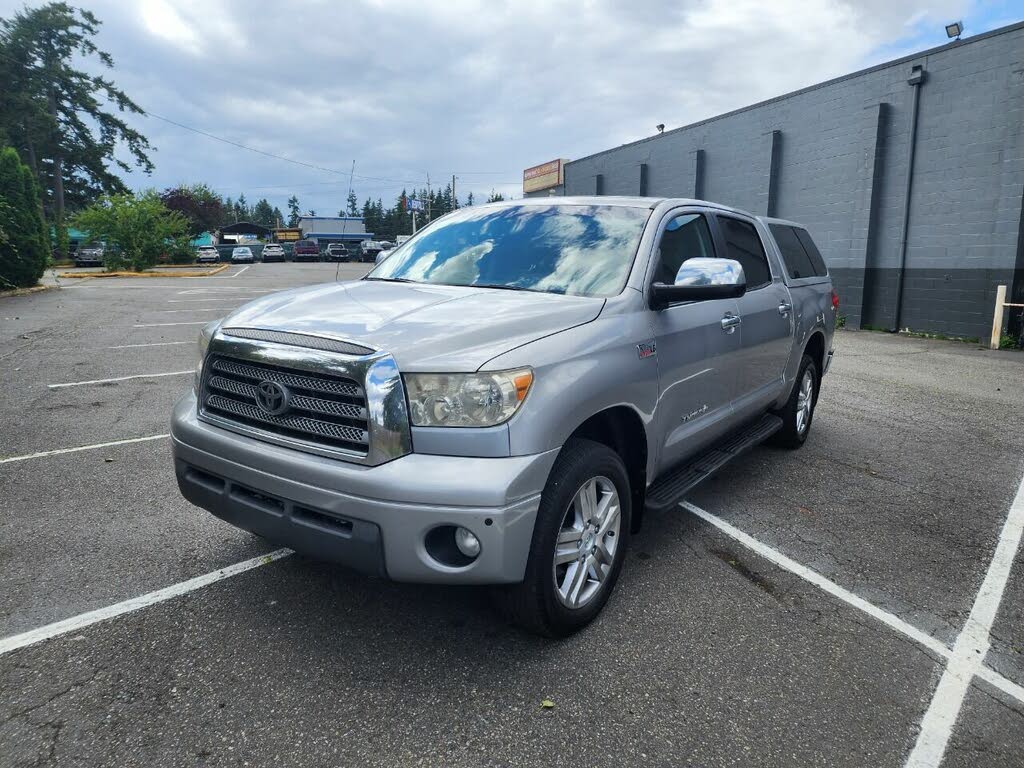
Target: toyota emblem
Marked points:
272	398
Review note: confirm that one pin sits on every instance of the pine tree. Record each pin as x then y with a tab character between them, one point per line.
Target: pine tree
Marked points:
59	117
278	218
293	211
352	203
23	246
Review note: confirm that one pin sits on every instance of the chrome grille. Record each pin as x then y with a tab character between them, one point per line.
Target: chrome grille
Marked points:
325	410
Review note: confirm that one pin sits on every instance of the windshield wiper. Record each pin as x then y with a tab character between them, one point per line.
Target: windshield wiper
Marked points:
502	287
392	279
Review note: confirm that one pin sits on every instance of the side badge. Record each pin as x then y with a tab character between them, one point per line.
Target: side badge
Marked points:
646	350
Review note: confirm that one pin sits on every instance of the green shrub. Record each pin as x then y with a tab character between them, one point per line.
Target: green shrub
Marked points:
23	247
135	229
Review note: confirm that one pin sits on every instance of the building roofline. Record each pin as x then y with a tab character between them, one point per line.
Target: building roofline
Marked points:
849	76
332	218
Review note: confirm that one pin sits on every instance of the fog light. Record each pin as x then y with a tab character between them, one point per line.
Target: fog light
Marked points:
468	544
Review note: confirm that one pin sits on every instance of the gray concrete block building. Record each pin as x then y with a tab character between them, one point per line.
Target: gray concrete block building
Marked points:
909	175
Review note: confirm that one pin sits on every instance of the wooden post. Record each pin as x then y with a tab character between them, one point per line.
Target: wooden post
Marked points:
997	318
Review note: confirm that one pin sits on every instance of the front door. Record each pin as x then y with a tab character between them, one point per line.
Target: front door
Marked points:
698	346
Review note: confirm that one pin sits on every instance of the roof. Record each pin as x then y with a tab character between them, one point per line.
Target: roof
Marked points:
617	200
244	227
330	218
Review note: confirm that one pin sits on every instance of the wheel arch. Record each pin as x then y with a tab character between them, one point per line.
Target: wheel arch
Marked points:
622	429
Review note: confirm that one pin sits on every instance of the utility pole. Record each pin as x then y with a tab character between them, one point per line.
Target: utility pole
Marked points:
429	196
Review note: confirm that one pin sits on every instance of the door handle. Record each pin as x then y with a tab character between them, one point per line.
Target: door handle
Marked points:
730	321
784	308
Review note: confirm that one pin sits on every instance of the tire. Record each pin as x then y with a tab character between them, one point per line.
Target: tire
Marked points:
798	414
539	604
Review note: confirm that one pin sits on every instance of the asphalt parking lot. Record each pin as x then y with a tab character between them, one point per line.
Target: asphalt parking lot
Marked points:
801	609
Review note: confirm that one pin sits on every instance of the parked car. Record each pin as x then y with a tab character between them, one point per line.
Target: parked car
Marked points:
306	250
401	239
206	254
90	255
272	252
338	252
242	255
369	249
500	400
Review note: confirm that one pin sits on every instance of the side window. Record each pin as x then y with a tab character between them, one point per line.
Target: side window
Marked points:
743	244
686	236
812	252
798	264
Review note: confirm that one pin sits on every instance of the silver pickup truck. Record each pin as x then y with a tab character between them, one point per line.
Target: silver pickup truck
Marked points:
501	399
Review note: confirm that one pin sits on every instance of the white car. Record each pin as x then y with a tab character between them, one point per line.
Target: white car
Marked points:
207	254
272	252
242	254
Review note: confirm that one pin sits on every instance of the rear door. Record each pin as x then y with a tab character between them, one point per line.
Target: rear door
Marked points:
766	314
698	345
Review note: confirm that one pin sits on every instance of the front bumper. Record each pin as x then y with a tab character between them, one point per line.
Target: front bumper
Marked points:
373	519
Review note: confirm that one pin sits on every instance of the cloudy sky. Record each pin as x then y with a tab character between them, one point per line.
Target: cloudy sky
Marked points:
481	90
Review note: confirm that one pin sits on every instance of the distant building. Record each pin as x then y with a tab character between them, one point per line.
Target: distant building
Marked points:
242	232
349	229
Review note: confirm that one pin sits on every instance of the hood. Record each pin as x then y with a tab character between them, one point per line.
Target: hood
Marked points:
425	327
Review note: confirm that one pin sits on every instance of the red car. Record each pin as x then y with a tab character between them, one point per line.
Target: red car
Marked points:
306	250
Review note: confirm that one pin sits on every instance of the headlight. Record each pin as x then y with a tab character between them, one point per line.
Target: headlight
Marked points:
466	399
204	343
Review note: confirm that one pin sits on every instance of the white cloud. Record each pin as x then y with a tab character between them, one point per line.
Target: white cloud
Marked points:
407	87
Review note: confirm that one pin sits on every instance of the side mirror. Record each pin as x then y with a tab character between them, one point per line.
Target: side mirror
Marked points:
702	279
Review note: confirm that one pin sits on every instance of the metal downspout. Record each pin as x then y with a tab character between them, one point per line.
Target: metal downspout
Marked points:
916	79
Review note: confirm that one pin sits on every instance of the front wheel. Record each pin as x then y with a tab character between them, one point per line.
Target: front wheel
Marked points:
579	542
798	412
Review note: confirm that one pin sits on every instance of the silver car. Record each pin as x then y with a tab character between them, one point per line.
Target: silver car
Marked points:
242	255
501	399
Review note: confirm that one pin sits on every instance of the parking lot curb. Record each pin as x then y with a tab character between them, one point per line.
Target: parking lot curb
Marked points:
26	291
183	273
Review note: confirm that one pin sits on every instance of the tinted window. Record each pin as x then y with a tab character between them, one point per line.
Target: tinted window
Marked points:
743	244
583	250
793	254
684	237
812	251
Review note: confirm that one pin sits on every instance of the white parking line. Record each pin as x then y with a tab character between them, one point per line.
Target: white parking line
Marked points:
971	646
939	649
59	451
217	277
200	301
14	642
161	325
193	309
154	344
225	288
119	378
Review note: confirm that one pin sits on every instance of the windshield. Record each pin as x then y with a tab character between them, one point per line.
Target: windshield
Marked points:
583	250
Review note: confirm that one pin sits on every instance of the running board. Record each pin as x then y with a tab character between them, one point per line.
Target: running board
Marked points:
669	489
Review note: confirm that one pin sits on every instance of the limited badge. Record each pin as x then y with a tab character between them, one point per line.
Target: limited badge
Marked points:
646	350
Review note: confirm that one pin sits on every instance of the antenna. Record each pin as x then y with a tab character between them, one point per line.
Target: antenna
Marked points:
350	175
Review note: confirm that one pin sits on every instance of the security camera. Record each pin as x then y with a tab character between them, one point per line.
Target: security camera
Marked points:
660	127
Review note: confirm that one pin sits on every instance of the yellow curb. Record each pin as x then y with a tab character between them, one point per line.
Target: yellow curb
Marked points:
193	273
26	291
